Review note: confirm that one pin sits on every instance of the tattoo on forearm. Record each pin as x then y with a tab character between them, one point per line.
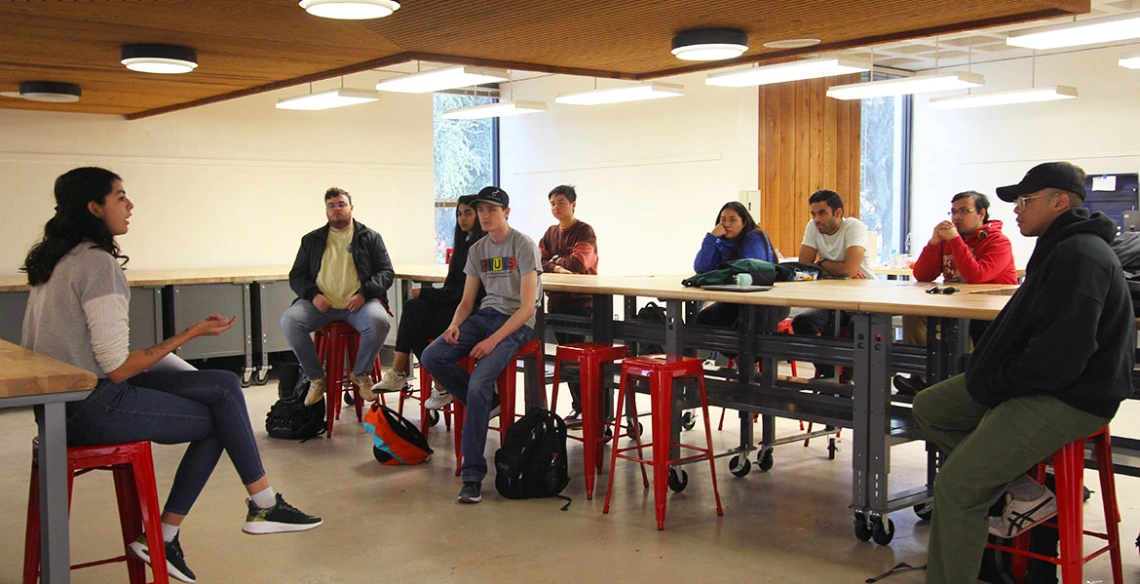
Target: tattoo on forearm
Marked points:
159	350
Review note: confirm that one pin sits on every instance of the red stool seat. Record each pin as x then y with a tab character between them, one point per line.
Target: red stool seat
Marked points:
1068	467
336	344
589	357
133	470
662	371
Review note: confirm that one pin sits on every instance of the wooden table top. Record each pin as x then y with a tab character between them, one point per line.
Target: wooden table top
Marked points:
25	373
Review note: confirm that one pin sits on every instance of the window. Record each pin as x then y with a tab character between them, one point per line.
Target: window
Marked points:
466	160
884	203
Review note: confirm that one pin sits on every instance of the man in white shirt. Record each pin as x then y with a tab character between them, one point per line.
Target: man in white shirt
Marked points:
840	244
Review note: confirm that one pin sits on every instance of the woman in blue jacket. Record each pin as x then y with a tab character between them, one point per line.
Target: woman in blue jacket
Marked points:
735	236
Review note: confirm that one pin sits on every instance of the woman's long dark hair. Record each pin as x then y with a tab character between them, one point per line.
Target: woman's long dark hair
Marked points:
73	222
749	226
462	240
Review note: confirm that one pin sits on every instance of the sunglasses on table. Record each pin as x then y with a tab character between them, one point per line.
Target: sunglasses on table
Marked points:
946	290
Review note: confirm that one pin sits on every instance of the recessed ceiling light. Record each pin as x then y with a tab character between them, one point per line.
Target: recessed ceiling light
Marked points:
350	9
1130	60
791	44
50	91
709	44
164	59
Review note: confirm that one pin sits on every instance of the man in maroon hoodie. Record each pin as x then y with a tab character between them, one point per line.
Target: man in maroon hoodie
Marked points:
570	247
969	248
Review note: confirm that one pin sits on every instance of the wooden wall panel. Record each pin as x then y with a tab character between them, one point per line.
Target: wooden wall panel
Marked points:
807	142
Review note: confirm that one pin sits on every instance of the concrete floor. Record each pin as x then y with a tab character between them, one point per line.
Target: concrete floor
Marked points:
402	524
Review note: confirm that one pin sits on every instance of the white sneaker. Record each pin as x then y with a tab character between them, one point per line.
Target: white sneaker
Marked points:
391	381
1027	504
364	384
316	391
439	399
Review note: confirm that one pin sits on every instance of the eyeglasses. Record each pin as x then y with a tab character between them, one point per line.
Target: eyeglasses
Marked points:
963	212
937	290
1022	202
338	205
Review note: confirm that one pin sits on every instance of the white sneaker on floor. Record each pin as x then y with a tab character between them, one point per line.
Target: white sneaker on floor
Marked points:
1027	504
439	399
391	381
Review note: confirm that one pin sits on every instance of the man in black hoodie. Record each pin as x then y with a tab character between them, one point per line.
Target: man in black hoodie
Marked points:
1053	368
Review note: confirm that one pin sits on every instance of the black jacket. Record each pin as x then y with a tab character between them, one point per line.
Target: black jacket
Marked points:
1069	330
452	290
369	255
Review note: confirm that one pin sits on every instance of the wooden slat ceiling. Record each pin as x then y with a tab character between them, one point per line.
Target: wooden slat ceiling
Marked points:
250	46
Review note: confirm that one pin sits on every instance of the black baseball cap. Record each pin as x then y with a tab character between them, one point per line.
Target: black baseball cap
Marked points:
1051	175
493	195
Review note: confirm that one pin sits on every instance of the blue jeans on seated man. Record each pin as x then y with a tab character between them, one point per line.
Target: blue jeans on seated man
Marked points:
475	390
302	318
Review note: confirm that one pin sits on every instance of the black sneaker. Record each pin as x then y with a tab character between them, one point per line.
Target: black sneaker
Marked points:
175	561
280	518
909	385
471	493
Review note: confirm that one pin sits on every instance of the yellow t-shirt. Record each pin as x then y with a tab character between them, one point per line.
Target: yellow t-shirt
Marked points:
338	279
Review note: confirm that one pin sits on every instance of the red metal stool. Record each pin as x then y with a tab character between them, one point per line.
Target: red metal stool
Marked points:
589	357
662	371
454	409
336	344
507	385
133	470
1068	465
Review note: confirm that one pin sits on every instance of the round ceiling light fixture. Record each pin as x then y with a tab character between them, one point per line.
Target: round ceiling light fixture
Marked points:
165	59
50	91
350	9
791	44
709	44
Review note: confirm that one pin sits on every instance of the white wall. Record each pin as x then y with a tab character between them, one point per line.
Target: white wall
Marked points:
232	184
983	148
650	175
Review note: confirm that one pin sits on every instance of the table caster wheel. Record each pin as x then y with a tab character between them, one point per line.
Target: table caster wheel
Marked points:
739	466
678	479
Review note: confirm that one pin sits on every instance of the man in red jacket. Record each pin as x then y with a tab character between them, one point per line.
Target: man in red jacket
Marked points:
969	248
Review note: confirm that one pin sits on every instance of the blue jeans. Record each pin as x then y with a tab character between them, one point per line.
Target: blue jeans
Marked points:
477	389
302	318
205	408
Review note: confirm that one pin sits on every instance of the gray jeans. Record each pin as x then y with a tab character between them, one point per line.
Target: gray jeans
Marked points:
986	449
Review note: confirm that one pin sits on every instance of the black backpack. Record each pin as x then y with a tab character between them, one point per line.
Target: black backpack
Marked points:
532	462
651	313
290	418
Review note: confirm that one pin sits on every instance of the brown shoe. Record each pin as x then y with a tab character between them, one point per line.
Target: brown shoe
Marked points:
316	391
364	384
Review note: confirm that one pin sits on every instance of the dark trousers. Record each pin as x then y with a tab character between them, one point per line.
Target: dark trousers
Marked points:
724	314
819	321
568	338
420	322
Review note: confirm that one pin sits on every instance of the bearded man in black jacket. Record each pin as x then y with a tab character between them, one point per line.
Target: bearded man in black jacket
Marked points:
1052	368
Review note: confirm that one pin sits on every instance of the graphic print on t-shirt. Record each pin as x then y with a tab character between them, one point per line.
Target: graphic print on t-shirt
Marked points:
503	264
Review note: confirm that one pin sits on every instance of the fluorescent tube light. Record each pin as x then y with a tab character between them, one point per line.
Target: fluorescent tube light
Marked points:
495	110
1004	97
441	79
328	99
1130	60
622	94
907	85
793	71
1074	34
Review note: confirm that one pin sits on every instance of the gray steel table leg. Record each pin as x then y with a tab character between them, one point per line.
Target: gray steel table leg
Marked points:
871	455
55	540
674	345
